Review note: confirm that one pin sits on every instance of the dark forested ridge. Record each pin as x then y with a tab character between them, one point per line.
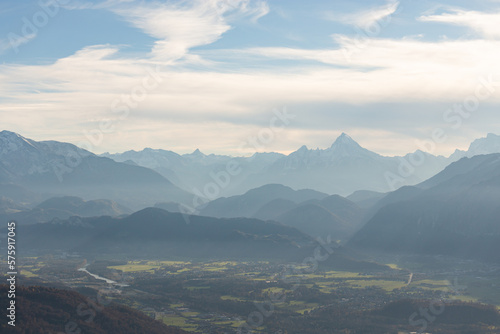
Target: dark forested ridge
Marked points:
42	310
61	208
156	232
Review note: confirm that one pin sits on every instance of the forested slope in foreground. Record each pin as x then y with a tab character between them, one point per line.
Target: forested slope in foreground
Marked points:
41	310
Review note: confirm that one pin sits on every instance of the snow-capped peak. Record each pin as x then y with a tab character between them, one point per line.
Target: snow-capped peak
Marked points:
345	146
196	153
344	140
490	144
11	141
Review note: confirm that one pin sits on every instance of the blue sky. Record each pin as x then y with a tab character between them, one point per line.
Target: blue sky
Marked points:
114	75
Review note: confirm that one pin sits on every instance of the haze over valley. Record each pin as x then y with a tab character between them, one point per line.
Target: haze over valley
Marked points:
249	166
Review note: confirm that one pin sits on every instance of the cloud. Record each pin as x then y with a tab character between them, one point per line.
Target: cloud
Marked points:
247	8
393	84
69	95
366	18
487	24
390	69
182	26
386	70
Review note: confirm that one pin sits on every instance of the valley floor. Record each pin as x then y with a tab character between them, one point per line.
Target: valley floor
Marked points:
265	297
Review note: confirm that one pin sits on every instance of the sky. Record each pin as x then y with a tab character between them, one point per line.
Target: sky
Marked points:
240	76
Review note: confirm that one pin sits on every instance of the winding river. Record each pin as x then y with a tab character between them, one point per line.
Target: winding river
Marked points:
107	280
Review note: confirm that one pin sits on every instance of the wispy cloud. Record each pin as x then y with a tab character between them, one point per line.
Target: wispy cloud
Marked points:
71	90
365	18
402	62
487	24
211	104
246	8
182	26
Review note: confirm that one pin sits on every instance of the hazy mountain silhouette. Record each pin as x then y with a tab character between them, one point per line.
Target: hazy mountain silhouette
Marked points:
65	207
20	195
275	208
61	168
195	170
309	211
454	213
316	221
487	145
156	232
343	168
365	198
248	204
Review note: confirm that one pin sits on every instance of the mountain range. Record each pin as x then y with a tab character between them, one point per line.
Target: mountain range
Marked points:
76	182
84	202
454	213
140	179
194	171
311	212
60	208
53	168
342	169
156	232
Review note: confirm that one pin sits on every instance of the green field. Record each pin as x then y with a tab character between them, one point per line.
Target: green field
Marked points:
127	268
181	322
195	296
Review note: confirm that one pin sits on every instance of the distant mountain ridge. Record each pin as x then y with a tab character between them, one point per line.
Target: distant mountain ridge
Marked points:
247	204
156	232
55	168
63	208
195	170
487	145
133	178
342	168
309	211
453	213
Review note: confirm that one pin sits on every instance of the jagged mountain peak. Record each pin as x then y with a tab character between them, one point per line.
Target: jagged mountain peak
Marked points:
345	146
196	153
487	145
344	150
303	148
344	139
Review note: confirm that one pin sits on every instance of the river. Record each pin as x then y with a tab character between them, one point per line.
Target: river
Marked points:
84	269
